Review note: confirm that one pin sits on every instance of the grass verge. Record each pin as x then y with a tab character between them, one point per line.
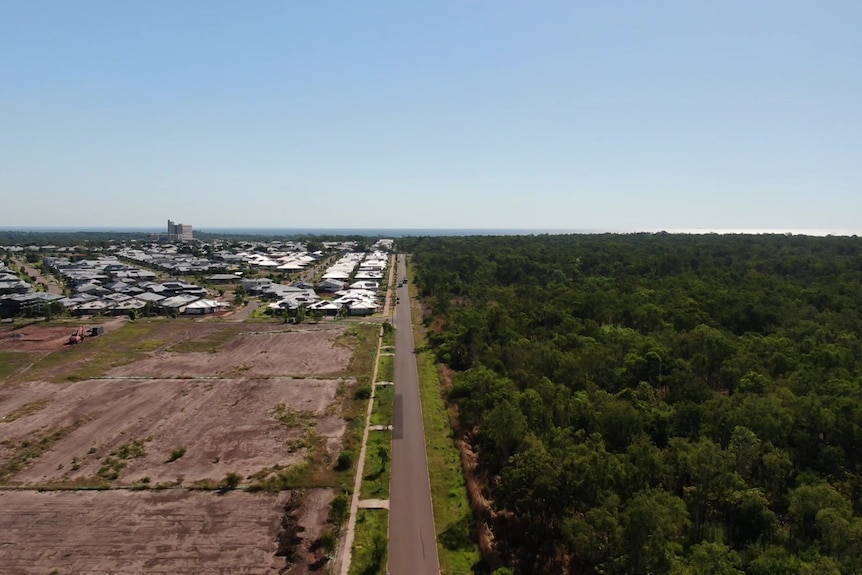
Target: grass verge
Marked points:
388	336
378	468
386	369
369	552
362	337
453	519
384	396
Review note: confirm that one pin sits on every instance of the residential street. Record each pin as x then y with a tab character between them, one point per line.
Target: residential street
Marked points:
412	540
49	281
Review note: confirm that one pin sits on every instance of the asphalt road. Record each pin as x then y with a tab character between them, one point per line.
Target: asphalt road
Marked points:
412	540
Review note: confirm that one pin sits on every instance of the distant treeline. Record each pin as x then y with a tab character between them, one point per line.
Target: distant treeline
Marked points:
655	403
64	239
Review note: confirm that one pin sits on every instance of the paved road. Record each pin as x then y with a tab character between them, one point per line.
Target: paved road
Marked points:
412	540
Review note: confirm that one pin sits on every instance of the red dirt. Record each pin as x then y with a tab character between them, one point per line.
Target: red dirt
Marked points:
253	354
126	533
47	337
166	401
36	338
225	425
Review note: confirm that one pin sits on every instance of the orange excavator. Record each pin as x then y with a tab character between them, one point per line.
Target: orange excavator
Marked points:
77	337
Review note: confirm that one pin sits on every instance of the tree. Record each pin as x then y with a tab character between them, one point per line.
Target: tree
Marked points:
708	559
239	295
654	522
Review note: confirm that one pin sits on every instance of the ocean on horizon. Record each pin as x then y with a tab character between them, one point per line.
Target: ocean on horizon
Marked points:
405	232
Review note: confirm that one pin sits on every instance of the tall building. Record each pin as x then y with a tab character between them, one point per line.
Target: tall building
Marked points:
179	232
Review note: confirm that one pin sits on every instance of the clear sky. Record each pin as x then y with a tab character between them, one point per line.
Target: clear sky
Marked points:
623	115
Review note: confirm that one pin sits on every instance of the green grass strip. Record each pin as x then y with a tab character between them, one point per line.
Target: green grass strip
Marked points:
457	546
386	370
378	466
369	553
384	396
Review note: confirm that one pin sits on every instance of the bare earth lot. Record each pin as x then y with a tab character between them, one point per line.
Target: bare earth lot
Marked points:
122	532
163	404
253	354
224	425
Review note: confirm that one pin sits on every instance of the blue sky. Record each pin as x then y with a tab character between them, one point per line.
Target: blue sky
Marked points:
624	115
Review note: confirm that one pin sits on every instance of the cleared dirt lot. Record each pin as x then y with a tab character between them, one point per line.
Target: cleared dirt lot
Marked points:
253	354
167	404
122	532
41	337
224	425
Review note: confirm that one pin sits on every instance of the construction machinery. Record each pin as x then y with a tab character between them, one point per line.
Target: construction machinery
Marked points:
77	337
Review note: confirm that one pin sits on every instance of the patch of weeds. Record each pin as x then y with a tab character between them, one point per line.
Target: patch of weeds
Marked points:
362	338
31	447
230	481
25	410
176	454
130	450
138	487
142	483
292	417
111	468
313	471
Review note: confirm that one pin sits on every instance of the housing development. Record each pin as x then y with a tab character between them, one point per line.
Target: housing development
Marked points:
183	381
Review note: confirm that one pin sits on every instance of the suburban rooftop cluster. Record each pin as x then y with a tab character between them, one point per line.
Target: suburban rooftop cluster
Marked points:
108	286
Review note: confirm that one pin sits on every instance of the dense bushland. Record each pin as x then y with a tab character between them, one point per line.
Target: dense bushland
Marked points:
656	403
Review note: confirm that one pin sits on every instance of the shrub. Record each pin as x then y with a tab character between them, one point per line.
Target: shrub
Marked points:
230	481
362	392
344	461
339	509
176	454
